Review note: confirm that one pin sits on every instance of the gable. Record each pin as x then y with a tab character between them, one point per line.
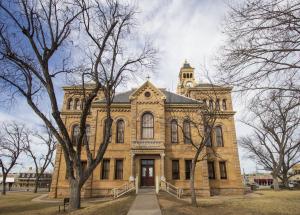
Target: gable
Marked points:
147	92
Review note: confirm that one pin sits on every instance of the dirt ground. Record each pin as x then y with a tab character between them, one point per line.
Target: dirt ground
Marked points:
18	203
260	202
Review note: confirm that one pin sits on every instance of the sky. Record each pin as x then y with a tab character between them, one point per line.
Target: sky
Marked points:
180	30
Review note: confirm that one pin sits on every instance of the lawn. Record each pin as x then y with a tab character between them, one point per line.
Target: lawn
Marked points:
18	203
260	202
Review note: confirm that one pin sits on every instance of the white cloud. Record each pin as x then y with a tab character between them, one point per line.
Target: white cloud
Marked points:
180	30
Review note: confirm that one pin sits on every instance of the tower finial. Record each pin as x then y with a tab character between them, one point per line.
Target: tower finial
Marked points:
148	77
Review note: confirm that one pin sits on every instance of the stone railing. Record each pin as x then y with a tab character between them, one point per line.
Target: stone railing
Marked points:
148	144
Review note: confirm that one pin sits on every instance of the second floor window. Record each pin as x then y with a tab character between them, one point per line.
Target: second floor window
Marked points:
87	134
75	135
120	131
219	136
223	172
105	169
208	137
175	169
211	169
174	131
147	126
187	131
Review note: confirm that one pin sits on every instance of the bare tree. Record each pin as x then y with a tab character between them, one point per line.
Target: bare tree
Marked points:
41	159
12	139
262	45
274	143
197	126
33	39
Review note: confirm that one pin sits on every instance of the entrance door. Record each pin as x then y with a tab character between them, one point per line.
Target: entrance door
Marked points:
147	174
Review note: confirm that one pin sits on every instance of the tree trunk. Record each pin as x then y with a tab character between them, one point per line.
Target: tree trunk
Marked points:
36	183
285	179
4	185
192	185
275	183
75	189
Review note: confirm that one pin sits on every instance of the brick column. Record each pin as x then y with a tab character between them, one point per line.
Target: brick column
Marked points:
131	178
162	166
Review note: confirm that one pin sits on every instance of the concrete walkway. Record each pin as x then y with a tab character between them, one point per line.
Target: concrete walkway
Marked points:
145	203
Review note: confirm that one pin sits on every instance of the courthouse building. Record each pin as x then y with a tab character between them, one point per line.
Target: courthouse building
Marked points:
147	139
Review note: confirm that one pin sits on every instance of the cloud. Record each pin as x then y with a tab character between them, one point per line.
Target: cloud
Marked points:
181	30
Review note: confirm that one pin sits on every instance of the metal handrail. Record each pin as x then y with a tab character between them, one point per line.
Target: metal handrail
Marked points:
171	189
125	188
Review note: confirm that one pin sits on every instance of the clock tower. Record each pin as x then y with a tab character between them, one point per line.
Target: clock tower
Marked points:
186	78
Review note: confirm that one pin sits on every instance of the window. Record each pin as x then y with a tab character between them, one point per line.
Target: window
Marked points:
211	104
188	167
105	169
174	131
223	173
119	169
70	104
224	104
104	125
219	136
147	126
184	75
187	131
175	169
76	132
75	135
86	138
211	169
191	75
77	104
120	131
205	103
218	104
208	137
82	104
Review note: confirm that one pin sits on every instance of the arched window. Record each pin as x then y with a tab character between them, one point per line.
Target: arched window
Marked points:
70	104
104	127
174	131
218	104
147	126
224	104
191	75
75	134
120	131
211	104
208	135
187	131
77	104
87	134
219	136
184	75
82	104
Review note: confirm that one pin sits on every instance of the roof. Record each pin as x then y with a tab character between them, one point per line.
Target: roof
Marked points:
171	98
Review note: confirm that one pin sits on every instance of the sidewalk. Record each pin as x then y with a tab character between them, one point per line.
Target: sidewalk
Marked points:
145	203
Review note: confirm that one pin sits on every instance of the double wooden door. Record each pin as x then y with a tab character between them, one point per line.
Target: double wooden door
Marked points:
147	172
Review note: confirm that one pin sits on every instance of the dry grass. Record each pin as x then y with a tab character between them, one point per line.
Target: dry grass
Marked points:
261	202
18	203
